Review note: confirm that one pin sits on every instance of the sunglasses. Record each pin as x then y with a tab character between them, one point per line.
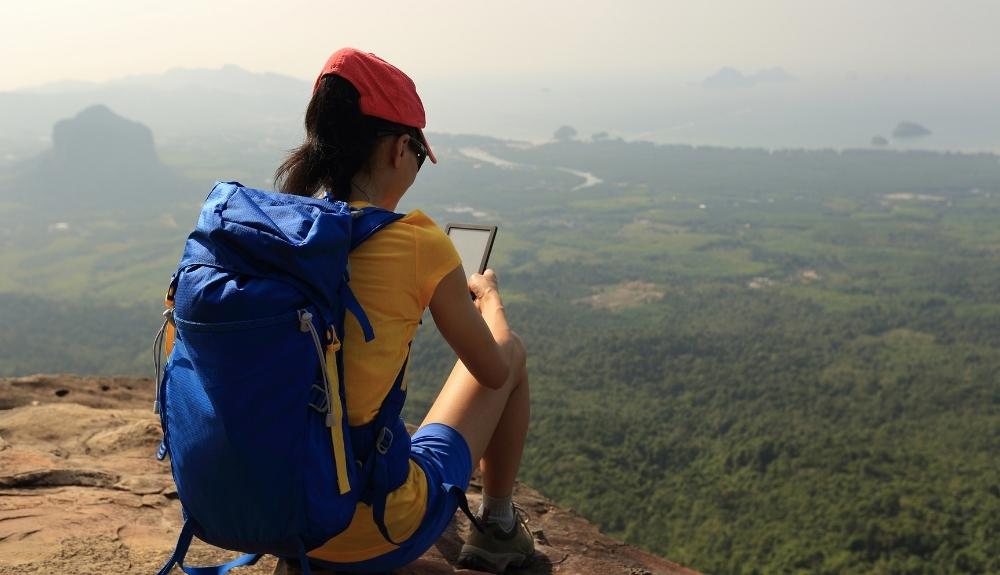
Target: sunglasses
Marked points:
420	150
418	147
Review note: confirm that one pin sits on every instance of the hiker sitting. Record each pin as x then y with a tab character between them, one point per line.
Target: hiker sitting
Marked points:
364	144
287	335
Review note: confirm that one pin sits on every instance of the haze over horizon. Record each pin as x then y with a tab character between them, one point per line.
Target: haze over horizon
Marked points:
773	74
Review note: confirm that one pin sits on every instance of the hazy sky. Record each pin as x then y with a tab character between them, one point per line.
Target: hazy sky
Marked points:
47	40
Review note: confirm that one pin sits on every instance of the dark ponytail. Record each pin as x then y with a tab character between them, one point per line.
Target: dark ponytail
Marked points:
339	141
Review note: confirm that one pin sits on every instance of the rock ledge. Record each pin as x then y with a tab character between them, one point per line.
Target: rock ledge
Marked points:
80	492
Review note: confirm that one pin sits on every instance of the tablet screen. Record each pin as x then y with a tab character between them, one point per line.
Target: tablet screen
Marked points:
474	244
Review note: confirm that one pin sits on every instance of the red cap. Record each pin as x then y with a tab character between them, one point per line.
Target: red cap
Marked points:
386	92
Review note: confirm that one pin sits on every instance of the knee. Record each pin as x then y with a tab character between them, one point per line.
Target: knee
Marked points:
518	360
517	353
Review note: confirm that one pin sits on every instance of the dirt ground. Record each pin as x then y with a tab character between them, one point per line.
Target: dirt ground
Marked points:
81	493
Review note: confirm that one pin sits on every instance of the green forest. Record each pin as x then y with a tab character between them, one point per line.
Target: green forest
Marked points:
747	361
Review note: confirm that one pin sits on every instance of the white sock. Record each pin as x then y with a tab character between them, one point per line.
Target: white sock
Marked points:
499	510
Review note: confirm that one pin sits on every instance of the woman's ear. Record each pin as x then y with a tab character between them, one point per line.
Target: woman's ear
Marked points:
398	150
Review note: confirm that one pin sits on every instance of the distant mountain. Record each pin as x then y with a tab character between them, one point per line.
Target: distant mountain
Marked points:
97	137
728	78
773	74
909	131
98	159
179	104
196	112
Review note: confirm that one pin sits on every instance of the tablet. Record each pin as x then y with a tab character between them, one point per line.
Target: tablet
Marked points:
474	244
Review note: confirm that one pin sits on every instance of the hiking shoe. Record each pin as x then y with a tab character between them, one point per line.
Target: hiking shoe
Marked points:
494	549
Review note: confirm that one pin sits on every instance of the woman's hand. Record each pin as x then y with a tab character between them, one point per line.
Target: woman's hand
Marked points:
484	288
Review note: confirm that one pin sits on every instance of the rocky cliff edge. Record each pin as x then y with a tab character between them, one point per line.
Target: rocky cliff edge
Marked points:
81	493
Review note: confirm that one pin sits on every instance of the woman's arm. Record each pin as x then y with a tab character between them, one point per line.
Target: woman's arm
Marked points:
477	331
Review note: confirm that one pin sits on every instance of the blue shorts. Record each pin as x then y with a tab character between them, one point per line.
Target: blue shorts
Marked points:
444	456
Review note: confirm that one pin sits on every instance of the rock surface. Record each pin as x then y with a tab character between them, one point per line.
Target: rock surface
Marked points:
81	493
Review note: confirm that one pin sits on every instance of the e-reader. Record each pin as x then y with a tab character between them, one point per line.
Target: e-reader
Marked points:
473	243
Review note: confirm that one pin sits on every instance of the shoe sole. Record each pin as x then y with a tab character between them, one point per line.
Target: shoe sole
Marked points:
475	558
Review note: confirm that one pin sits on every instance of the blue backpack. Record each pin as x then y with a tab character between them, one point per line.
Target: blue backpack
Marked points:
251	399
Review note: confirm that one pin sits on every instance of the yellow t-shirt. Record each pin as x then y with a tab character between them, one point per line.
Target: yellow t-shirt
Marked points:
393	275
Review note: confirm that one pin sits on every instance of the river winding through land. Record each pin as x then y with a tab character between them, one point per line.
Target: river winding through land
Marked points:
482	155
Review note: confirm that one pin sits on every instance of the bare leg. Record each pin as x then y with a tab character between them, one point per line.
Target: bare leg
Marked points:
502	458
493	422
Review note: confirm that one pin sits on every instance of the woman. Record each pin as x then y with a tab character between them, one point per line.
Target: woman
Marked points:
365	144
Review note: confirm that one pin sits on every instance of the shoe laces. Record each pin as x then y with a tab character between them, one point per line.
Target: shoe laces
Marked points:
521	516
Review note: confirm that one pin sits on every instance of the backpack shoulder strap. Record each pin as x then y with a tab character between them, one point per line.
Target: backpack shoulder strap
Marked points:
367	221
376	468
364	223
184	541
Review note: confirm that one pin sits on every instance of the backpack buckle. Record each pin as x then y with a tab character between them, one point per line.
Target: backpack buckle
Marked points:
305	321
384	441
319	400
